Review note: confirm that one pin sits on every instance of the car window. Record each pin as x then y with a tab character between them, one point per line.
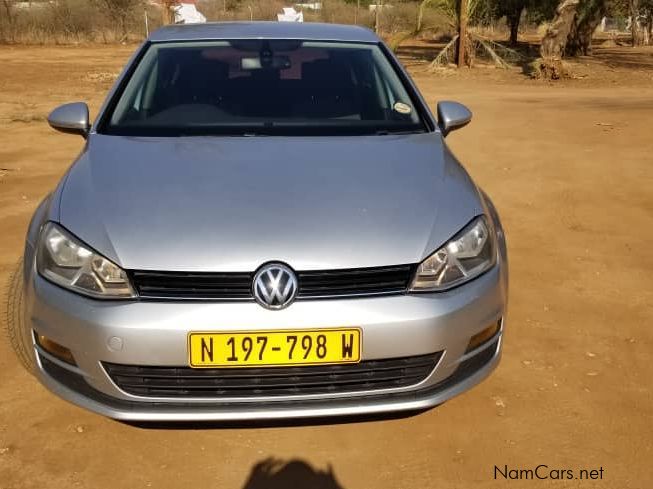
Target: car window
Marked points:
268	87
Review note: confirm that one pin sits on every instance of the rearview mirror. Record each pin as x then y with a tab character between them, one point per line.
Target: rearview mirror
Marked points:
71	118
265	62
452	116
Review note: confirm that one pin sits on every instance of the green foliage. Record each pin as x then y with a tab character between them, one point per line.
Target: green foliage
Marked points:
501	8
587	8
541	10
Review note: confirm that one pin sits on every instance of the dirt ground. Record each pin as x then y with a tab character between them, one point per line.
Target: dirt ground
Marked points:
570	168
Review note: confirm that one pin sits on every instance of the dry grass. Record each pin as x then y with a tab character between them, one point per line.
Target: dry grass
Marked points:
100	77
80	21
27	118
70	22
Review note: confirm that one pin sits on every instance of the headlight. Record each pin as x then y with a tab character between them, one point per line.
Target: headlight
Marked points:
65	261
467	255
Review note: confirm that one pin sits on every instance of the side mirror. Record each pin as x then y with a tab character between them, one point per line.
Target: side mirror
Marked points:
71	118
452	116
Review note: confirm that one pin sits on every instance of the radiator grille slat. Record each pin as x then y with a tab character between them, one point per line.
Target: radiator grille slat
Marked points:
273	381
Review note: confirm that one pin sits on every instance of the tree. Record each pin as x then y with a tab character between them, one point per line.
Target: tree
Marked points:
635	28
463	16
512	10
641	31
541	10
377	15
8	12
555	40
648	15
420	15
463	19
8	9
588	17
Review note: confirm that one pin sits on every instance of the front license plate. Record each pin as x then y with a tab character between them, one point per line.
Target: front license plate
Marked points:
274	348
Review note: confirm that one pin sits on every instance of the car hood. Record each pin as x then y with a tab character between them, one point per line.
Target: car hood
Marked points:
234	203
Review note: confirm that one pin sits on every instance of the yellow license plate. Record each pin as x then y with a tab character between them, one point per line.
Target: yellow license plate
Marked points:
274	348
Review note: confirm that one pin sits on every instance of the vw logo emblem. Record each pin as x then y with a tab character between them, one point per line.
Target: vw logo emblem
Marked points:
275	286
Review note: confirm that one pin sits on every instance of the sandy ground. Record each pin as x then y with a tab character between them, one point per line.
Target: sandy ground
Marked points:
570	167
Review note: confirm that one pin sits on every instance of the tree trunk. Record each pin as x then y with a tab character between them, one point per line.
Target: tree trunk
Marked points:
462	33
377	16
123	27
5	4
635	29
513	19
579	41
420	16
586	31
555	40
8	8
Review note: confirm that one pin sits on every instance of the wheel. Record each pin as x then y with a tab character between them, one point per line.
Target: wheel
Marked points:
15	318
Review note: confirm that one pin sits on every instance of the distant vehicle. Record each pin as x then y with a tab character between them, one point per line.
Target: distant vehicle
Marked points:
265	222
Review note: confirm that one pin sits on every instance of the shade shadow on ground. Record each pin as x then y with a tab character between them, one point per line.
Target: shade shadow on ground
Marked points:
295	474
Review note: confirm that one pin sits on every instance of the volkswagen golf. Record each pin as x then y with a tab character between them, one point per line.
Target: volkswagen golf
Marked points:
265	222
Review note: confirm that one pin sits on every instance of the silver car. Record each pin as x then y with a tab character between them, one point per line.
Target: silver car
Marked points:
265	222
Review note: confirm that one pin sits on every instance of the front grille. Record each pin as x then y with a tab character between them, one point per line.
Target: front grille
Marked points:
363	281
227	286
238	286
274	381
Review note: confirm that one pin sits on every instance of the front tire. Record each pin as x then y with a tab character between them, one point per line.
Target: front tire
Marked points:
15	318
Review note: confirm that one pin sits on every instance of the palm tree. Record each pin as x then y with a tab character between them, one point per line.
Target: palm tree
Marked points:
463	15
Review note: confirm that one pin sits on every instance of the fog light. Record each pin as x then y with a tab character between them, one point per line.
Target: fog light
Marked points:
483	337
55	349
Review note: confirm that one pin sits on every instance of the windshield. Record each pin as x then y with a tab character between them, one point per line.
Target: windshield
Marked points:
262	87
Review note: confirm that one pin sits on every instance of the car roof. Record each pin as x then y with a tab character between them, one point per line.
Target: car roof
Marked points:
312	31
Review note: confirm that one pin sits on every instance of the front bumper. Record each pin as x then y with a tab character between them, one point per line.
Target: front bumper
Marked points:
154	334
